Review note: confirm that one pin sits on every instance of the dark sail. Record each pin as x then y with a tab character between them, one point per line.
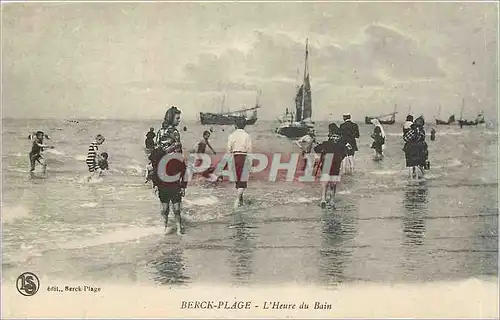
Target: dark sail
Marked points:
298	104
307	99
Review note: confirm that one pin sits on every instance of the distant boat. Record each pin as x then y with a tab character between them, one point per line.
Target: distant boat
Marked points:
391	120
230	117
298	124
451	119
479	119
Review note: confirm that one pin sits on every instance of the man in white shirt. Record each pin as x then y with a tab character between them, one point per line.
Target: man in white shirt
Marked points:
306	144
239	144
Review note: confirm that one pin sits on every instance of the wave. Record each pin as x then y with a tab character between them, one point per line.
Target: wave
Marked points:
89	205
450	164
116	236
302	200
204	201
10	214
80	157
56	152
386	172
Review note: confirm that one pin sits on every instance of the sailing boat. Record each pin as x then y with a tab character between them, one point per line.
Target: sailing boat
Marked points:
230	117
298	124
451	119
479	118
391	120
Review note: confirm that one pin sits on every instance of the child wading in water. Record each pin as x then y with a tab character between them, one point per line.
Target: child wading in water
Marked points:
36	153
378	137
336	148
92	158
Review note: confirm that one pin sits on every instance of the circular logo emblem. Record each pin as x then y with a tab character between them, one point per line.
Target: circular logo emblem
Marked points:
27	284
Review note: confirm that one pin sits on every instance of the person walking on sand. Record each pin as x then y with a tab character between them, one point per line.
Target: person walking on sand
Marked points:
239	144
92	156
170	192
35	154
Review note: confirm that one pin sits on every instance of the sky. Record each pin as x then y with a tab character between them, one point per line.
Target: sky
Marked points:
134	60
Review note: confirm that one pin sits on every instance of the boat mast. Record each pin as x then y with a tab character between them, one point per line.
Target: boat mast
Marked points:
222	104
304	81
394	113
463	106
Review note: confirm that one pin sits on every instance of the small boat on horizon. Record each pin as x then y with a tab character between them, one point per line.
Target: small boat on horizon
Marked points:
451	119
230	117
463	122
391	120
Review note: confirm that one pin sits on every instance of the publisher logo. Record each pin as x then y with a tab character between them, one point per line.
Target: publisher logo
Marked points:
27	284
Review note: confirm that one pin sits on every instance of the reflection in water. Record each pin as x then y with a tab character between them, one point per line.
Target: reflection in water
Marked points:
336	231
241	253
170	266
416	205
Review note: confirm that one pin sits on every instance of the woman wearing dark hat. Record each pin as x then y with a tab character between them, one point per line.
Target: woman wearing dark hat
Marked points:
415	148
170	143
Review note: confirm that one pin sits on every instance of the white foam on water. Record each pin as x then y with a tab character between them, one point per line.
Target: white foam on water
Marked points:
10	214
95	180
55	151
430	176
116	236
302	200
80	157
385	172
136	169
203	201
451	164
18	170
449	133
89	205
344	192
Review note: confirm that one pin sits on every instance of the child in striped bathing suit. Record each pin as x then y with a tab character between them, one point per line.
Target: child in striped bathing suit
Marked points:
92	155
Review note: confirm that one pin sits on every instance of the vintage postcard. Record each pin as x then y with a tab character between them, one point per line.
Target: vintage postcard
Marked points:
249	159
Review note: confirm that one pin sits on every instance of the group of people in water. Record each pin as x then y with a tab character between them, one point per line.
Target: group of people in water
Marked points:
341	145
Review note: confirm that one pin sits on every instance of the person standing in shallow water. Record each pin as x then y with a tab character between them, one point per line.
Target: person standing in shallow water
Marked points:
92	157
306	144
349	132
150	139
239	144
36	153
201	146
378	137
170	192
433	134
336	147
407	124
